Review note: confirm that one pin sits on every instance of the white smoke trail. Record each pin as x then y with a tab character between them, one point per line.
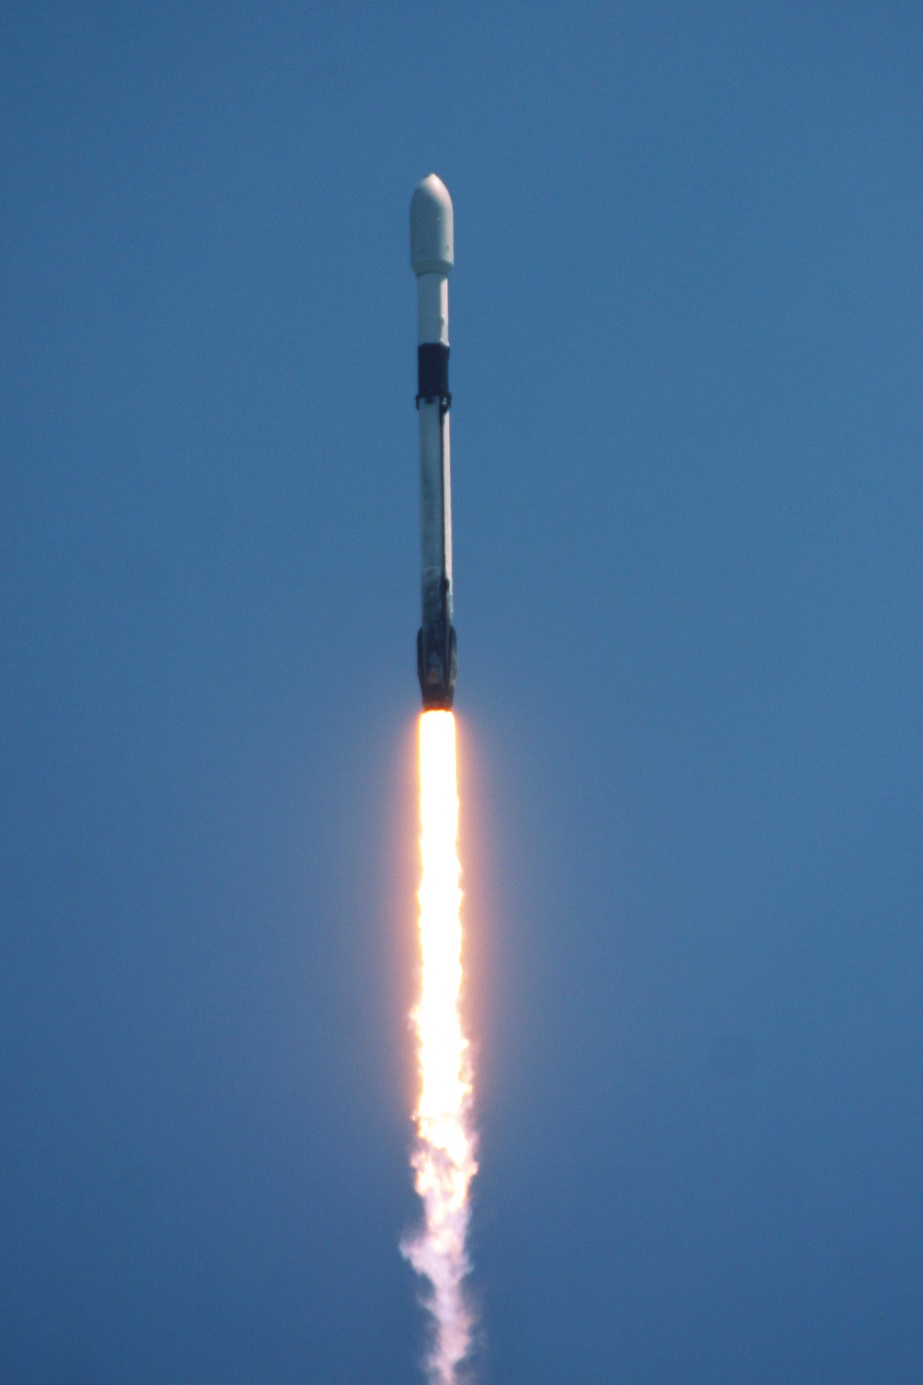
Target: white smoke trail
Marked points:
443	1160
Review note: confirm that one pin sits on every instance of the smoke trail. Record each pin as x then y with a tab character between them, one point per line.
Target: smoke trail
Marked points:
443	1160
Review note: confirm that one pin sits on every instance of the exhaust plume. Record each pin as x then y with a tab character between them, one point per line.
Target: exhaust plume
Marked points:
443	1158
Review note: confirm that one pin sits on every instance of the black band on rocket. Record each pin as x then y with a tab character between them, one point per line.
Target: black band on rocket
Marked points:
433	372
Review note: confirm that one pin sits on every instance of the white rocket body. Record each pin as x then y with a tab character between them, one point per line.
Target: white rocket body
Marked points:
432	255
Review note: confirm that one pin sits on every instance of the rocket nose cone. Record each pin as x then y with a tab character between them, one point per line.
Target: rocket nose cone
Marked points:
432	240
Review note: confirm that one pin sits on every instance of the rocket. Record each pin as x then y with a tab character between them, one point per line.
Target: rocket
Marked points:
432	254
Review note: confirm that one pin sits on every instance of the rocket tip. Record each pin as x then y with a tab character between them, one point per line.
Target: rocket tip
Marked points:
432	231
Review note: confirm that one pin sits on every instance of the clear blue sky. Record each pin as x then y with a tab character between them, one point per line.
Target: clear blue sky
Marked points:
686	326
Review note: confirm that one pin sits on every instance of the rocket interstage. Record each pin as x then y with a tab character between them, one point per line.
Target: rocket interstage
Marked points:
432	255
444	1157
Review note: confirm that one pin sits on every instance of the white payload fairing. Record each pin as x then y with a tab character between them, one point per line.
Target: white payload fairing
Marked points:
432	255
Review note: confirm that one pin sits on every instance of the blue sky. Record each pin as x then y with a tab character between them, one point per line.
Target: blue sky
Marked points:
686	330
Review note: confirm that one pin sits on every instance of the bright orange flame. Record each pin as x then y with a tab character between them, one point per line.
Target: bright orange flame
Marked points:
443	1160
